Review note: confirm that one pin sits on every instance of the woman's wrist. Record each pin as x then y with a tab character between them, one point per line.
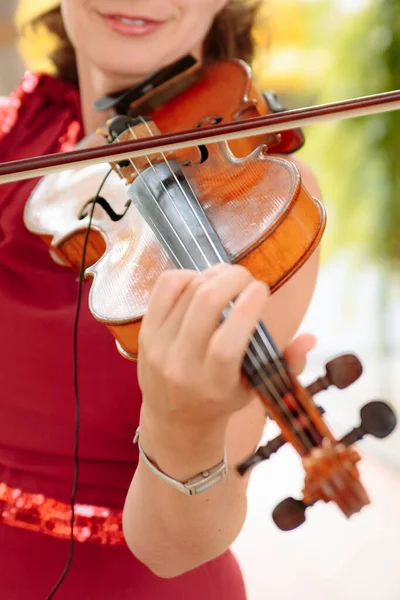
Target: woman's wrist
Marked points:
179	449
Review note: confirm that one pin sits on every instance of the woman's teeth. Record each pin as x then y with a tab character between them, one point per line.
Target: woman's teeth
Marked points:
131	21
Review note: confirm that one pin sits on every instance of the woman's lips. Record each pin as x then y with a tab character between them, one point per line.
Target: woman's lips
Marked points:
132	26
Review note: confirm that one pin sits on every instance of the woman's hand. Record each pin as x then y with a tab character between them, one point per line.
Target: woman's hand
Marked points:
196	404
189	364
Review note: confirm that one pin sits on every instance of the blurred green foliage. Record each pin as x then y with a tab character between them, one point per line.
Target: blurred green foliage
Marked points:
356	160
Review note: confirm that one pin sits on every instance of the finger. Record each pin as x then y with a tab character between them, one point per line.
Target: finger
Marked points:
171	295
178	311
165	294
203	315
296	353
228	345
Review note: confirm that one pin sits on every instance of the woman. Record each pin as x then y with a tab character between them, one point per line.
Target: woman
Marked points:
191	403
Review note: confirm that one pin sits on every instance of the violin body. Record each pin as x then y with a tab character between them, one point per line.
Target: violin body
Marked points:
269	223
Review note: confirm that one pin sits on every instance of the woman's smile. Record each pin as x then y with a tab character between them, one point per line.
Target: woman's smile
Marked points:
130	25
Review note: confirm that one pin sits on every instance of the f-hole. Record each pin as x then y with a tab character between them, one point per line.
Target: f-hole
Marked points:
204	154
105	205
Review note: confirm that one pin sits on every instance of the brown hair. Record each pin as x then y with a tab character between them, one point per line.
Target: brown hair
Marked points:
229	37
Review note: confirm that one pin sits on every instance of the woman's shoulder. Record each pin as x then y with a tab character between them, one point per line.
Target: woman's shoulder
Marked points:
25	92
11	105
39	102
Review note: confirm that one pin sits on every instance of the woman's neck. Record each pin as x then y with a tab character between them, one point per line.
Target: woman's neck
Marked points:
94	84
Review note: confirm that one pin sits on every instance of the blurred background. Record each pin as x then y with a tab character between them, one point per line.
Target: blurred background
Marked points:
309	52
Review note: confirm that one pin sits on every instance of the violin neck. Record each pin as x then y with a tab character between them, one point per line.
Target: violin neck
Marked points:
167	202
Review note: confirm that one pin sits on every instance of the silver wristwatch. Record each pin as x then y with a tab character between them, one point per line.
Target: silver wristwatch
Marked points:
195	485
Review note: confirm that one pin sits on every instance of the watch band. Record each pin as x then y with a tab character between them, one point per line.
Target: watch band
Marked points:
195	485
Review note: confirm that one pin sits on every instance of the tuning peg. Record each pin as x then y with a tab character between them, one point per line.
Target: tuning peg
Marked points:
377	419
340	372
265	452
289	514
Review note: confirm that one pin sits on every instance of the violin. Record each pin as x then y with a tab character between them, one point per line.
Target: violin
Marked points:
176	200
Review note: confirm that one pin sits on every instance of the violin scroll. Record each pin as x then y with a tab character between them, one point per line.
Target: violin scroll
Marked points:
377	419
341	372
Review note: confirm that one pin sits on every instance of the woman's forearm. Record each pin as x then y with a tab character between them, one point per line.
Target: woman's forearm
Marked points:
190	374
168	531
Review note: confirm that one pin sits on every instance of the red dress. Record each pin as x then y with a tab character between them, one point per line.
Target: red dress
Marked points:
37	412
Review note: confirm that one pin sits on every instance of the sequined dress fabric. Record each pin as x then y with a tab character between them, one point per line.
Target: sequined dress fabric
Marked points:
37	412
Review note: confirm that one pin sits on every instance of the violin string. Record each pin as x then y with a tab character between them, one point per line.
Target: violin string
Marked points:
215	249
168	192
266	381
165	160
189	256
263	359
259	366
272	354
259	351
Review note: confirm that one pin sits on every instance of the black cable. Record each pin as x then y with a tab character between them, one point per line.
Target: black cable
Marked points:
76	390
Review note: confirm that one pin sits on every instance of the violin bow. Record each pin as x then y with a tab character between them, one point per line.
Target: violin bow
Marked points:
275	123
